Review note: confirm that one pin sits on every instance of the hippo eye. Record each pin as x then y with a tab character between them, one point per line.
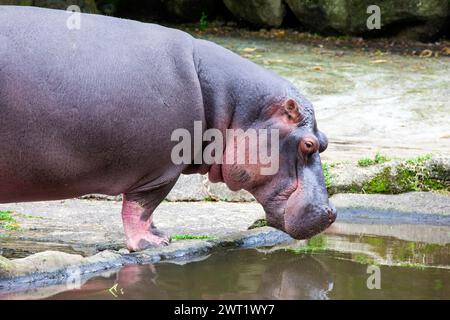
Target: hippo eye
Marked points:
308	145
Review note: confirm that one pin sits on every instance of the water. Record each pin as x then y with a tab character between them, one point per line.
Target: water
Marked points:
326	267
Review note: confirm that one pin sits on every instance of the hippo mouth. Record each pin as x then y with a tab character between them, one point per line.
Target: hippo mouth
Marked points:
313	220
302	209
299	218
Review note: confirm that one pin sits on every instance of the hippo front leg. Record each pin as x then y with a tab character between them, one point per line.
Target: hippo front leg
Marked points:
140	231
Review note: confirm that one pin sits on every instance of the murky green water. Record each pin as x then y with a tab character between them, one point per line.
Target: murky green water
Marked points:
326	267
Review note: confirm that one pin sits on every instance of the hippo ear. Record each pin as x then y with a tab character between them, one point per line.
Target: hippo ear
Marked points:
291	111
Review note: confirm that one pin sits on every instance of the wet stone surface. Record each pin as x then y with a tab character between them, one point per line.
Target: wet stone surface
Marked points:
90	226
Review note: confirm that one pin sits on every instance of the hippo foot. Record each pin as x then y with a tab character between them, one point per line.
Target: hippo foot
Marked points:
148	240
140	231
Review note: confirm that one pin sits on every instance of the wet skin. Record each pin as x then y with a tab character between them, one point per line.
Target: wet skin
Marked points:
92	111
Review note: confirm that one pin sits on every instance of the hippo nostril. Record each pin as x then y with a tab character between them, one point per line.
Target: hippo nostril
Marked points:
331	215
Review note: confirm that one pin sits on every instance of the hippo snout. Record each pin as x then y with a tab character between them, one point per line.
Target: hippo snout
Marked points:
309	220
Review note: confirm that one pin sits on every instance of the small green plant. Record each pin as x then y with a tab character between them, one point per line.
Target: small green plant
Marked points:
419	160
258	224
314	245
210	199
362	258
176	237
5	215
326	168
203	23
365	162
7	221
11	226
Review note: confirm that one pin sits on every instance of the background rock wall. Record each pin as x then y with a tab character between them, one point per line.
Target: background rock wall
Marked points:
423	20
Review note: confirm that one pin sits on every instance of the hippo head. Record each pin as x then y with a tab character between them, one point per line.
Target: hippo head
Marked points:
294	196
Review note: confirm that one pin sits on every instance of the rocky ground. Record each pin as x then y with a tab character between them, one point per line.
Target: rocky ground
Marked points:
90	226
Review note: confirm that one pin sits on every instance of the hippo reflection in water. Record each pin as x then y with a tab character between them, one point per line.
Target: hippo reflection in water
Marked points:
277	277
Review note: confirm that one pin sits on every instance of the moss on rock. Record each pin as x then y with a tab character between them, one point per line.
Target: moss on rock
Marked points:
423	173
258	224
417	174
326	168
378	159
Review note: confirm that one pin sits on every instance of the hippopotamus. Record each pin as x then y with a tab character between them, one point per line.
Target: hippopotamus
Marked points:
91	110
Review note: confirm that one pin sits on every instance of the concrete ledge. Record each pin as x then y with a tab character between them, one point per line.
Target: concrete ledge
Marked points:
53	267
